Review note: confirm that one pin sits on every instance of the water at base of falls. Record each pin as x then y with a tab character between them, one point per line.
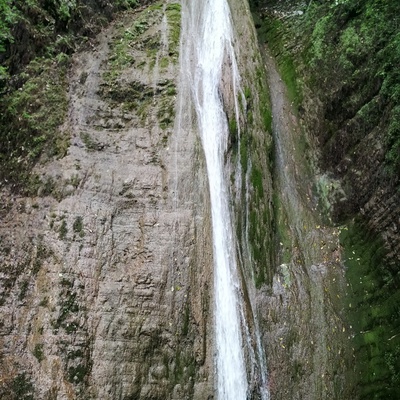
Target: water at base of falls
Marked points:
211	31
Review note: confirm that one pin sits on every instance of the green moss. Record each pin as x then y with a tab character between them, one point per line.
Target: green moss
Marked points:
257	182
345	75
244	157
120	57
247	93
38	352
186	320
63	230
184	367
88	141
173	12
289	76
273	31
164	62
131	37
22	388
69	306
78	226
282	231
166	112
78	373
23	288
259	240
31	117
392	142
373	304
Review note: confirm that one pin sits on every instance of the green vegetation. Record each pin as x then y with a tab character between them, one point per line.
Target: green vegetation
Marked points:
69	306
166	112
136	95
186	320
78	226
347	53
31	117
366	28
63	230
7	18
77	374
339	62
89	142
121	57
23	288
272	32
256	181
173	12
36	41
252	150
164	62
21	388
38	352
374	307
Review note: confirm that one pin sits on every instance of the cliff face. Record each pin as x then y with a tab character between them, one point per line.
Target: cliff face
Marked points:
339	70
292	262
106	280
106	270
106	243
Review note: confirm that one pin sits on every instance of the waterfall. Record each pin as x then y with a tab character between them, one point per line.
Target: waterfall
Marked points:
207	54
210	28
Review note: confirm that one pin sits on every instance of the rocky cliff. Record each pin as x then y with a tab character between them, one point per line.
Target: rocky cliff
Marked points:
106	245
106	272
337	60
106	268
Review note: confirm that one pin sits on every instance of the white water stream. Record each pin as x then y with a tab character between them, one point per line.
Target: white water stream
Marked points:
210	44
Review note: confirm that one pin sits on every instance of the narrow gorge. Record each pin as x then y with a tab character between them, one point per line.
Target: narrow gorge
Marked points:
184	211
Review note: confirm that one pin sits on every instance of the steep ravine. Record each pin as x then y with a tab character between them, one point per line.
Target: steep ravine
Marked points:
332	57
307	336
106	271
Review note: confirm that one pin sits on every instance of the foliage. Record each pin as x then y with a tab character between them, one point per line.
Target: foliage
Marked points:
173	12
38	352
361	43
127	3
348	52
78	226
7	18
31	116
22	388
37	38
393	140
63	230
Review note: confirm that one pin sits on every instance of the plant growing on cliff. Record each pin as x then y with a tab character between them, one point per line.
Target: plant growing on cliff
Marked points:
7	18
38	352
33	76
173	12
21	388
63	230
78	226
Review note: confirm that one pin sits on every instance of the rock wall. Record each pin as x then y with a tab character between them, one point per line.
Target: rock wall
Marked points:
346	107
105	272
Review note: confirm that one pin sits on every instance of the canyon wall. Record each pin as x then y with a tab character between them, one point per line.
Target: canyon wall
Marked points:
106	270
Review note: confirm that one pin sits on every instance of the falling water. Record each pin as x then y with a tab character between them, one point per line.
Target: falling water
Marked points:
211	44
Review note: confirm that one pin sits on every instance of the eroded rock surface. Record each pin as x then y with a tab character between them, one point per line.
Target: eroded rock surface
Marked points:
105	283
